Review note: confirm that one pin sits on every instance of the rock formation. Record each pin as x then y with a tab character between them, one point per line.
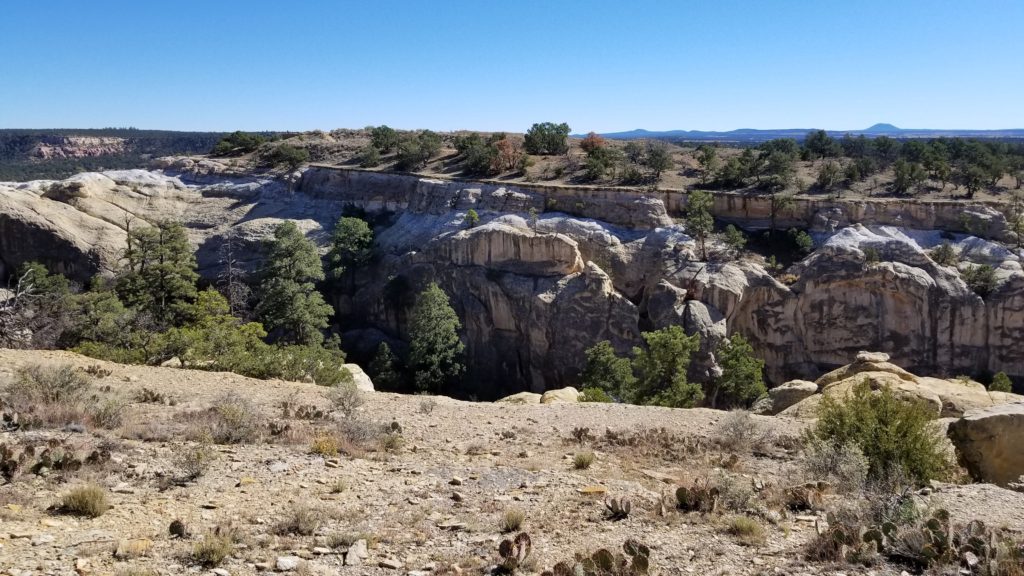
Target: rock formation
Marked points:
549	271
988	443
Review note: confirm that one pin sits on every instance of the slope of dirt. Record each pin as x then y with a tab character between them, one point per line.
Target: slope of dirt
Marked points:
430	504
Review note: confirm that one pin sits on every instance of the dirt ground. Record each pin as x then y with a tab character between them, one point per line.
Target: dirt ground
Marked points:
426	501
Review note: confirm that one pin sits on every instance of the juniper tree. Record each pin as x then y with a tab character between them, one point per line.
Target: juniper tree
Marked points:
435	353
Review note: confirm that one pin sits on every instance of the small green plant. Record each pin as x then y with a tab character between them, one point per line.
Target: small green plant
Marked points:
981	279
583	460
594	394
90	501
889	431
511	520
325	445
872	256
944	255
747	531
471	219
1001	383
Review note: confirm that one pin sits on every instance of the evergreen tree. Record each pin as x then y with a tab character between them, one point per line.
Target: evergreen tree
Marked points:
607	371
351	245
384	370
734	238
742	379
160	276
661	370
699	221
289	300
435	355
1001	383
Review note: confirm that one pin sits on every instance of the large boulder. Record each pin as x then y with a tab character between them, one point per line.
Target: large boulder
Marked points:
990	443
567	395
521	398
360	378
784	396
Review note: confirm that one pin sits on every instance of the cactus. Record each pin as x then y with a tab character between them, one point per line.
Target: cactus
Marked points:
700	497
514	553
618	508
634	560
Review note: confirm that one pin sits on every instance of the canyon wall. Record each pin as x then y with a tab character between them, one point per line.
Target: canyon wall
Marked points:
549	271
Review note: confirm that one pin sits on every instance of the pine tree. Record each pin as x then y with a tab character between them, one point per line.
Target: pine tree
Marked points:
606	370
351	245
160	276
661	370
699	221
289	301
742	379
383	369
435	355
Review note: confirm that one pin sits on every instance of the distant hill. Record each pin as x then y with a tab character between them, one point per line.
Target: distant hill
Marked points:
750	135
29	154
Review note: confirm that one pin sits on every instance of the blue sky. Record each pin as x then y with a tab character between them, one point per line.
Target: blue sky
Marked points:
504	64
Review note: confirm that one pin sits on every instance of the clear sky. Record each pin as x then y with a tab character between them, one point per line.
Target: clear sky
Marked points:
504	64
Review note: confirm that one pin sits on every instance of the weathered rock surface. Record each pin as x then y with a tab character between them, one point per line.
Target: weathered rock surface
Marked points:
946	398
561	396
360	378
535	292
783	396
989	442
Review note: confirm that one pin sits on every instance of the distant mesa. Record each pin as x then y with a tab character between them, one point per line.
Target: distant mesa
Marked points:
882	128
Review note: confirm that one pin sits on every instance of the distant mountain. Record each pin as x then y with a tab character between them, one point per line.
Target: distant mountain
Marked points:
751	135
882	128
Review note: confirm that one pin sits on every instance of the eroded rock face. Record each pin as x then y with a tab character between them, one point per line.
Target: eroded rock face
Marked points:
535	289
988	443
783	396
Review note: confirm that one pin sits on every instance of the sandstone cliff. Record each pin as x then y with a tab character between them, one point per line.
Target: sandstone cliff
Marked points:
548	272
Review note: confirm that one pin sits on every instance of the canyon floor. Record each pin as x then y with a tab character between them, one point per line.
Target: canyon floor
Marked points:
426	500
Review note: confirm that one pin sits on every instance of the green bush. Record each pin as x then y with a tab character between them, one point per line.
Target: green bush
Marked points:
606	371
287	155
594	395
892	434
1001	383
981	279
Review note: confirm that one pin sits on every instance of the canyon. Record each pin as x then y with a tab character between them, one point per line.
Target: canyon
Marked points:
551	270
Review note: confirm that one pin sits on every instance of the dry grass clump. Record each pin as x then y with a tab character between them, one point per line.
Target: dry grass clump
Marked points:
213	549
90	501
738	431
511	520
346	398
300	521
843	465
325	445
54	396
191	462
231	419
583	460
747	531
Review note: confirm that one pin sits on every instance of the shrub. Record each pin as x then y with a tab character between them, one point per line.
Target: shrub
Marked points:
300	521
53	396
231	419
843	465
737	431
213	549
547	138
747	531
193	461
346	398
392	442
742	379
583	460
325	445
1001	383
944	255
890	432
511	520
369	156
594	395
89	500
661	368
981	279
427	406
471	219
287	155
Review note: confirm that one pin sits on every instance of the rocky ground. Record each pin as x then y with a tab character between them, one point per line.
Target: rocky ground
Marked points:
427	499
